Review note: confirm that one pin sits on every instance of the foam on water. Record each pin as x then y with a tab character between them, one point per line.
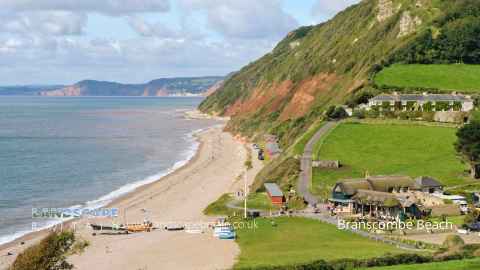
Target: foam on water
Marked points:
108	198
85	146
188	154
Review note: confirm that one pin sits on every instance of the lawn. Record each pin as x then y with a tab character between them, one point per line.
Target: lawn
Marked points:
459	77
300	240
259	201
451	265
390	149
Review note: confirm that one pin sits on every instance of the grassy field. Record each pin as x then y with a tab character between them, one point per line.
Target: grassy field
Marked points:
298	240
219	208
464	78
451	265
413	150
259	201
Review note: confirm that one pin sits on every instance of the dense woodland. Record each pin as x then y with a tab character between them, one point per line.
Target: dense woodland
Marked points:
453	38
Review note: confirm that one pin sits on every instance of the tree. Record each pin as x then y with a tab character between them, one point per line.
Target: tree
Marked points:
360	98
336	113
472	217
468	144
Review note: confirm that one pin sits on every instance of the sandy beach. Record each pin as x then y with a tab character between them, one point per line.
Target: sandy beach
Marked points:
177	198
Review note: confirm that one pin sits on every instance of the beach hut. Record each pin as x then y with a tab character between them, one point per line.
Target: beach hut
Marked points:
274	192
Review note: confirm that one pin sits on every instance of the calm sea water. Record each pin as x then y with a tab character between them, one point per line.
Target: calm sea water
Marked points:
61	152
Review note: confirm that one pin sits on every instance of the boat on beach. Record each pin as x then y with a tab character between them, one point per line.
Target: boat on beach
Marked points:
224	231
141	227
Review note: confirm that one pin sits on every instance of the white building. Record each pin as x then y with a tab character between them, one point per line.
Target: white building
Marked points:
422	102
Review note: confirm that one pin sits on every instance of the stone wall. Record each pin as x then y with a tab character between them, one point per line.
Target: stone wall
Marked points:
450	117
326	164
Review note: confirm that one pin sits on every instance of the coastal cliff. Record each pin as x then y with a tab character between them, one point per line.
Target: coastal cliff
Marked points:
314	67
162	87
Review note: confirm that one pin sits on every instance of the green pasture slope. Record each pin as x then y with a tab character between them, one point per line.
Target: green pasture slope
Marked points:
454	77
390	149
300	240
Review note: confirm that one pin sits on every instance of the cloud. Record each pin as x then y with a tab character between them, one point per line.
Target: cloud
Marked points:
147	29
246	19
53	59
328	8
49	23
52	41
109	7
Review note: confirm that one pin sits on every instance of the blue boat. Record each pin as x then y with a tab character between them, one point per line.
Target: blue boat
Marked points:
224	231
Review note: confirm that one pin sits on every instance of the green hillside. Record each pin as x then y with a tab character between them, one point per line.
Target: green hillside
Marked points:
457	77
288	89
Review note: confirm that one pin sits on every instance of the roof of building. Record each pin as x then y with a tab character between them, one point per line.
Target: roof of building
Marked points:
376	183
446	209
376	197
273	189
383	198
421	97
350	187
388	183
427	182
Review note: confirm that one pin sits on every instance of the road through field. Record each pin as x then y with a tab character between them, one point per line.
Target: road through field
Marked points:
305	177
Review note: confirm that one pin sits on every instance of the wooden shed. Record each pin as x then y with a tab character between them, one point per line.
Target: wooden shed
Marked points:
275	193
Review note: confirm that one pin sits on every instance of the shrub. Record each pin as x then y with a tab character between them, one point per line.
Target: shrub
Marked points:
79	246
296	203
472	217
219	207
336	113
386	106
360	114
442	106
49	254
453	242
457	106
330	111
360	98
347	264
428	107
411	105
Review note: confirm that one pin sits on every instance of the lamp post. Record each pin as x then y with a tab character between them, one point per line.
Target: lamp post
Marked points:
245	191
248	165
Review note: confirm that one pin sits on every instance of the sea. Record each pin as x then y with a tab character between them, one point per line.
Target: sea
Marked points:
60	152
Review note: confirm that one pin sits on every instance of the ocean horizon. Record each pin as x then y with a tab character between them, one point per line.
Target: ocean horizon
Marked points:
60	152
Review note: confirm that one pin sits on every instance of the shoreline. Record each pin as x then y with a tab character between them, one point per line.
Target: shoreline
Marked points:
179	198
115	199
140	194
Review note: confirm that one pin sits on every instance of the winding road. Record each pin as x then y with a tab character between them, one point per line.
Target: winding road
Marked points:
323	215
305	177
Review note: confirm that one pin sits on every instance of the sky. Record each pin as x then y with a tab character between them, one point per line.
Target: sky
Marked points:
135	41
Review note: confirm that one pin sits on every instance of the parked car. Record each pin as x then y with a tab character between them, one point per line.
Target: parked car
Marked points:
261	154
